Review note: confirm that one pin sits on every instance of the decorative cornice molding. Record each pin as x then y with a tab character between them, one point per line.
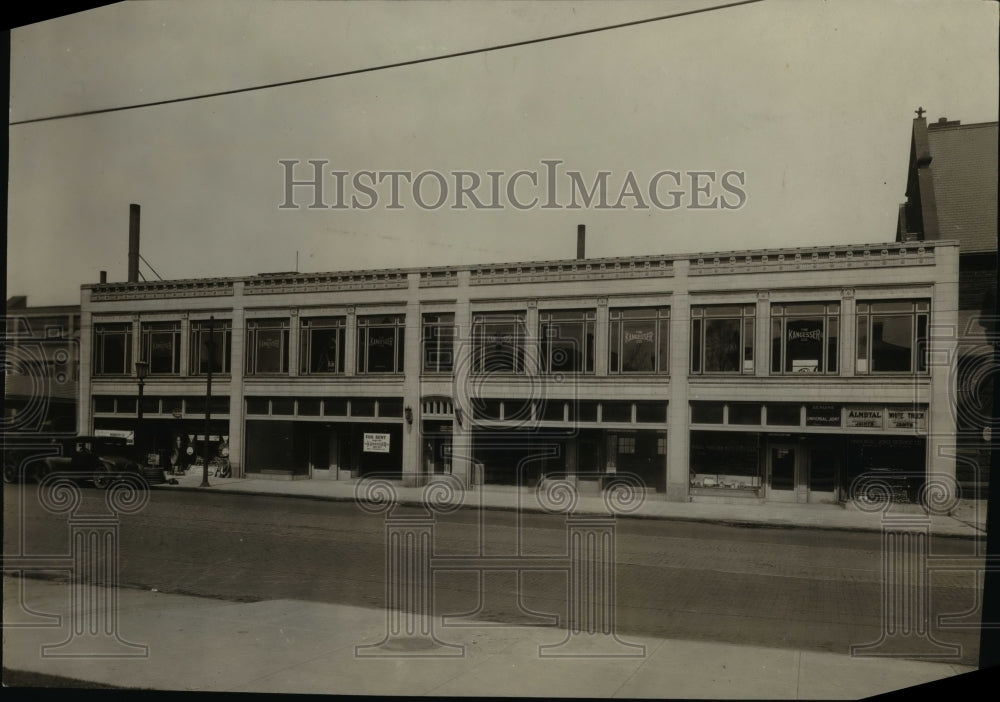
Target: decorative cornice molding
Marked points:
325	283
167	289
828	259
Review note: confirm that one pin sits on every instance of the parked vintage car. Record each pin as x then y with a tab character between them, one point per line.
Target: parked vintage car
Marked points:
23	459
99	460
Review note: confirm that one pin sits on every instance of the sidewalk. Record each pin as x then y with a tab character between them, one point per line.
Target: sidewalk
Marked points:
290	646
967	520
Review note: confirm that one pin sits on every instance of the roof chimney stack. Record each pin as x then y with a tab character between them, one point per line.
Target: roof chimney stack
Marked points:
104	277
581	241
133	243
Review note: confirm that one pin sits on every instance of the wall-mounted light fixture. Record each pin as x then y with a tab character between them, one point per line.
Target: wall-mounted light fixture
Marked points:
408	413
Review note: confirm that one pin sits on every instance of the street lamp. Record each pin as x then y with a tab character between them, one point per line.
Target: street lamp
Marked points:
141	373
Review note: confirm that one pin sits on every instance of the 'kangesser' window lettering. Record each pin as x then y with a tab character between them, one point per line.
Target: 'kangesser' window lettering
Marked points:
267	346
380	343
639	340
498	343
161	347
804	337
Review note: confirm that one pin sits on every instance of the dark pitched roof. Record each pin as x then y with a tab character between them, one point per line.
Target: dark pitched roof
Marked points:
964	164
952	185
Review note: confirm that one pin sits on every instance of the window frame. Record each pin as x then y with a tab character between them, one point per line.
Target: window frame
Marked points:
365	325
831	313
586	318
309	325
435	335
256	328
919	316
147	331
746	322
102	332
488	319
618	316
199	328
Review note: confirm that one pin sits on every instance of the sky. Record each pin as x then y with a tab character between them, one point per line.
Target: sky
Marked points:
808	105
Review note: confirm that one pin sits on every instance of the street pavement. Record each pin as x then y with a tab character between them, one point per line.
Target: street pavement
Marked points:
179	642
295	646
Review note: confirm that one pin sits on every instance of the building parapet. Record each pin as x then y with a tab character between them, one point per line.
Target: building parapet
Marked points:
438	278
825	258
578	270
888	255
879	255
326	282
208	287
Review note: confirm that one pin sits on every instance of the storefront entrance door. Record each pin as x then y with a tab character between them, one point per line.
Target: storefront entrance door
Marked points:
319	455
782	461
823	462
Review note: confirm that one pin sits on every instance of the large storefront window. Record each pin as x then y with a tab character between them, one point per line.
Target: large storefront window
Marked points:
639	341
892	336
725	460
439	341
380	343
210	349
267	346
113	349
722	339
321	345
567	339
804	338
161	347
896	465
498	343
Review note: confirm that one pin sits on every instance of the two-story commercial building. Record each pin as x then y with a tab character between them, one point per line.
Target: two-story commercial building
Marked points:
776	374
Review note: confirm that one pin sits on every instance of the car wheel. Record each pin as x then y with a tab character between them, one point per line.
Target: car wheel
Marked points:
103	480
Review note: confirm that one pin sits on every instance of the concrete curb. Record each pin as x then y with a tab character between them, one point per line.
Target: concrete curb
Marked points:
741	523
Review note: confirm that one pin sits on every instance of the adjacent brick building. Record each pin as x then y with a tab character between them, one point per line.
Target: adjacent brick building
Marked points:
951	194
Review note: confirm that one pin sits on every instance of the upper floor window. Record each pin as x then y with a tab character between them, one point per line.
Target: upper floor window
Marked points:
639	340
267	346
804	337
567	341
380	343
321	345
439	343
498	343
113	349
211	350
722	339
892	336
161	347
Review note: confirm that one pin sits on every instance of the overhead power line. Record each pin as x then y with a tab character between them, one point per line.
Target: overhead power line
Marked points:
383	67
